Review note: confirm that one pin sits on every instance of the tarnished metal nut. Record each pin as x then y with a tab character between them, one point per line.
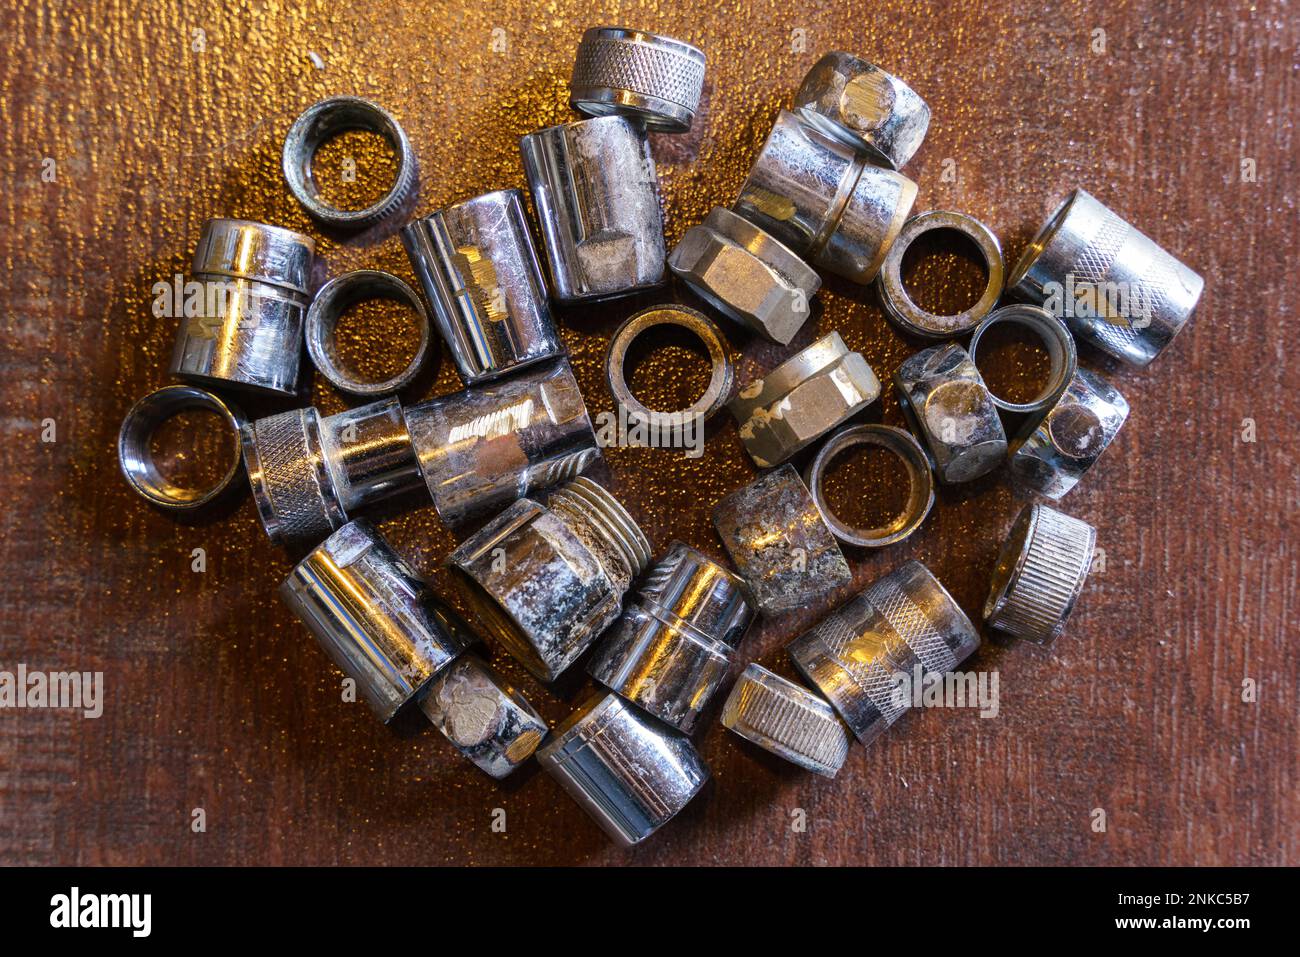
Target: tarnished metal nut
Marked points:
945	399
486	719
863	106
1056	339
787	720
780	542
802	399
746	274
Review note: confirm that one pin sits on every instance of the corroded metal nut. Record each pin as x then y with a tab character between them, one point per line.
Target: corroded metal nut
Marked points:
651	78
920	497
893	293
1040	574
898	629
746	275
802	399
1051	457
945	398
787	720
1055	338
780	542
486	719
864	107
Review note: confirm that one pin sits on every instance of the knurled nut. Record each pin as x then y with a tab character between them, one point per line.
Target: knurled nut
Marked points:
790	715
291	482
1054	556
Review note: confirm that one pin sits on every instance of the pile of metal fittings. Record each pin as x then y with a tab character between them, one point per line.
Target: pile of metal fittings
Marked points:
549	580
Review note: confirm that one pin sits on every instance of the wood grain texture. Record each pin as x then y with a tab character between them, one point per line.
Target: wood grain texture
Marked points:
216	698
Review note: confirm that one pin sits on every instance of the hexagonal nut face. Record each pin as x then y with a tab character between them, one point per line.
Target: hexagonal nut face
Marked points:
946	401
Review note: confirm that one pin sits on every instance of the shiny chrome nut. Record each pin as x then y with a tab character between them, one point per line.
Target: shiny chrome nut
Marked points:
787	720
630	773
802	399
671	649
746	275
893	293
339	295
547	582
1051	457
780	542
824	200
945	399
597	199
476	263
1056	339
863	106
650	78
484	447
248	332
920	498
374	616
486	719
862	654
1114	287
320	123
1039	574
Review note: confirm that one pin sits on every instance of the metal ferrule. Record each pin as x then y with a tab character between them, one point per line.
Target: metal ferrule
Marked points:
653	79
787	720
248	333
1057	341
476	263
1114	287
670	651
373	615
628	772
860	654
484	447
597	198
545	582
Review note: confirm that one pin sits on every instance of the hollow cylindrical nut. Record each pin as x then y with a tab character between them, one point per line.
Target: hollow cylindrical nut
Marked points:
787	720
652	79
1056	339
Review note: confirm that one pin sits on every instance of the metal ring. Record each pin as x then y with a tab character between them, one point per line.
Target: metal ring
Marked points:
338	296
899	305
321	122
652	78
920	479
1060	350
136	460
715	396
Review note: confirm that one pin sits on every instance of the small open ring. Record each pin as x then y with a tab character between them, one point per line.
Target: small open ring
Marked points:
1060	351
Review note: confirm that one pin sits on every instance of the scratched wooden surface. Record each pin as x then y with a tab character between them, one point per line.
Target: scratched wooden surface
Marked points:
147	118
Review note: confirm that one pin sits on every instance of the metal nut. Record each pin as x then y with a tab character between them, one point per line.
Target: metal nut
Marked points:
651	78
1056	339
787	720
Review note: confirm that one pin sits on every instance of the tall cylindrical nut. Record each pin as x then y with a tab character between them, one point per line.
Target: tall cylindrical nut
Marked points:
546	582
1039	574
597	197
1113	287
787	720
486	446
248	330
476	263
671	649
652	79
824	200
374	616
630	773
900	628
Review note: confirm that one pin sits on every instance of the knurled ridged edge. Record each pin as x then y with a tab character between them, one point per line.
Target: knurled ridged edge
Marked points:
910	622
789	715
291	479
638	67
594	504
1054	561
877	680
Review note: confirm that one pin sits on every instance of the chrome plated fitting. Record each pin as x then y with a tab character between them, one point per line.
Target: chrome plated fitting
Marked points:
483	717
484	447
861	654
787	720
864	107
802	399
476	263
630	773
1052	456
248	334
746	275
1039	574
597	198
651	78
824	200
948	405
546	582
1054	337
1114	287
309	472
671	649
780	542
374	616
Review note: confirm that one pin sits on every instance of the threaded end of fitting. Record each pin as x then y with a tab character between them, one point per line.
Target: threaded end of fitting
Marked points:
605	525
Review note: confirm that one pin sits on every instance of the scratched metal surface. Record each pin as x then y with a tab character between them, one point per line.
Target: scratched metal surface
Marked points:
216	699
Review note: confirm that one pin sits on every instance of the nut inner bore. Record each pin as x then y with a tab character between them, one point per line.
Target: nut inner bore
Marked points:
1056	339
